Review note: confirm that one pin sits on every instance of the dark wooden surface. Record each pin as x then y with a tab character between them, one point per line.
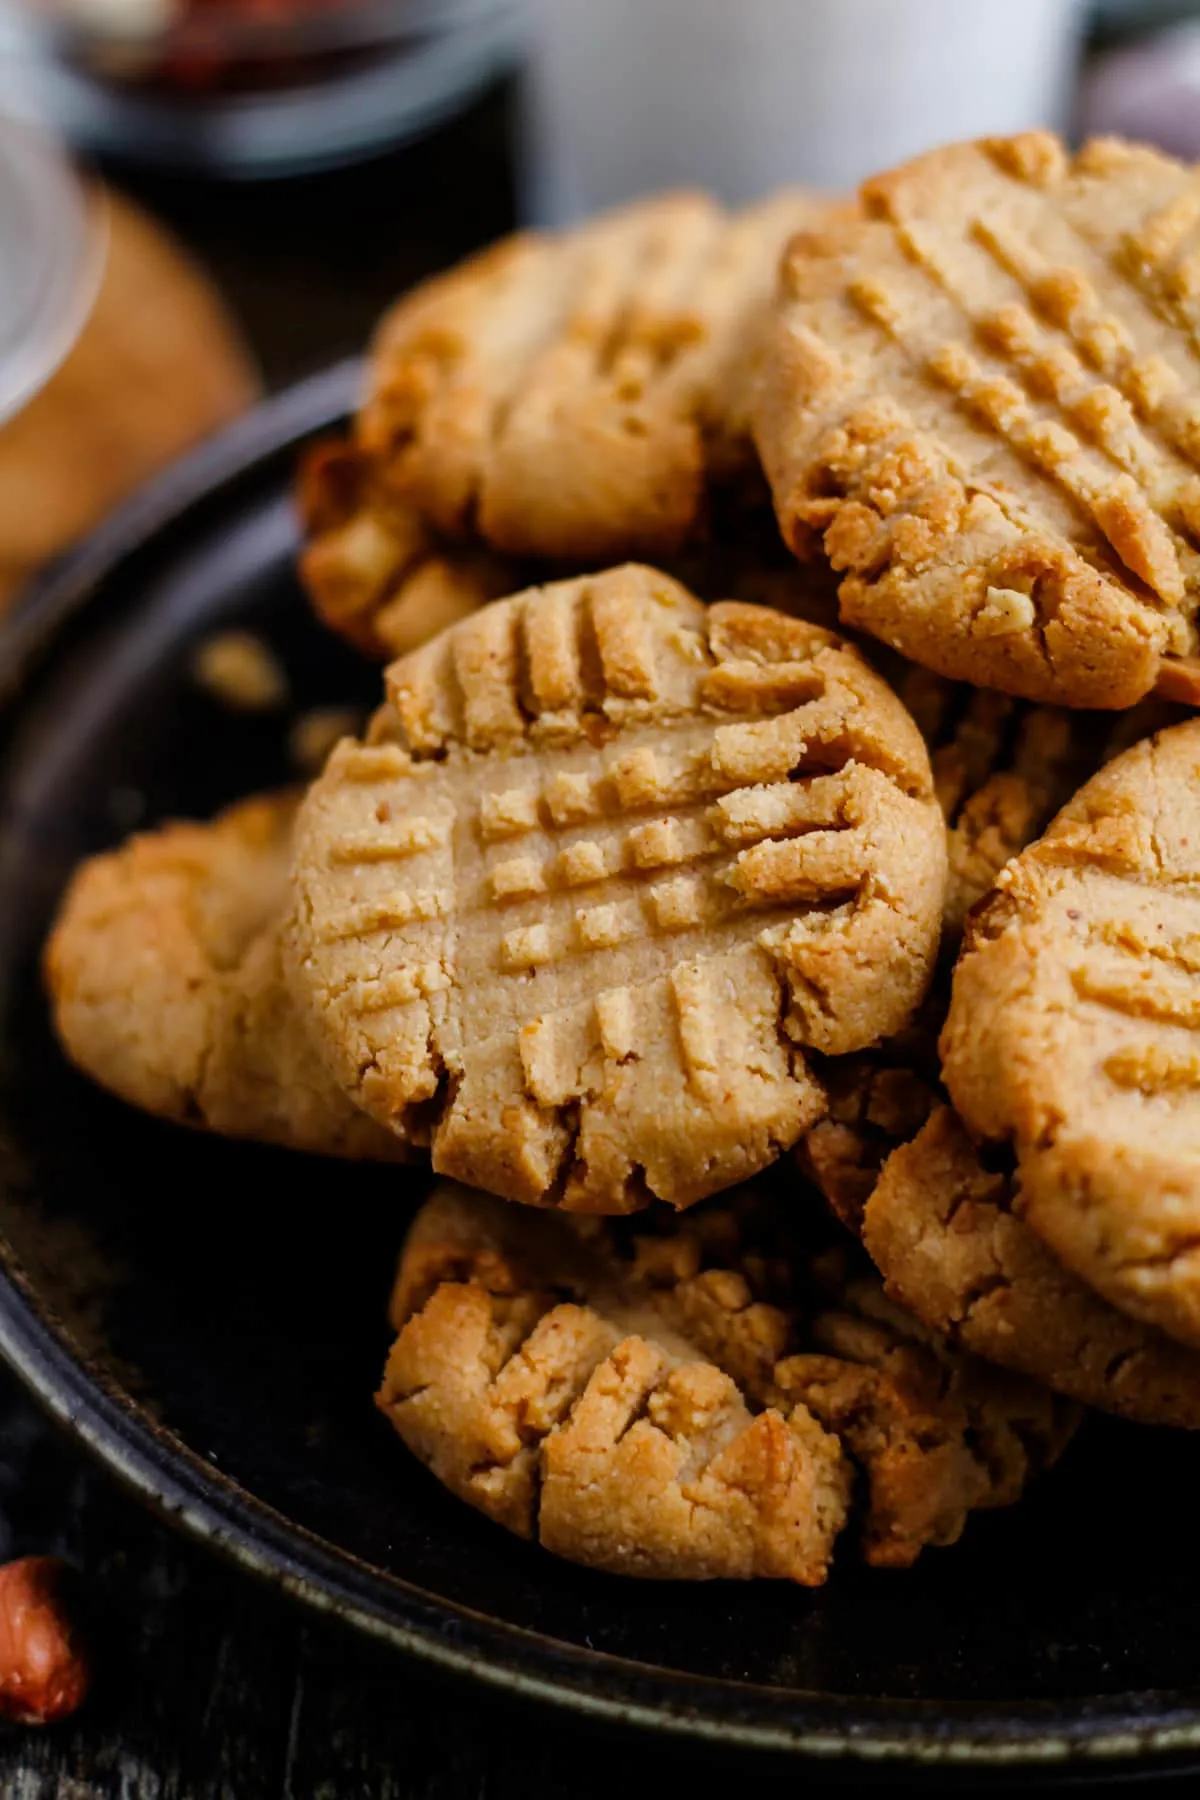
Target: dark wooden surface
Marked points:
208	1686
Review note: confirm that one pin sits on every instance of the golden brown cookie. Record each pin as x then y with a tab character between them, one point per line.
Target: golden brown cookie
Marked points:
981	397
623	1399
164	975
936	1434
1072	1030
576	396
609	865
947	1234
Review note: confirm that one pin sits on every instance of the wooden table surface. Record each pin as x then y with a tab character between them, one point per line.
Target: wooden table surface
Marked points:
208	1686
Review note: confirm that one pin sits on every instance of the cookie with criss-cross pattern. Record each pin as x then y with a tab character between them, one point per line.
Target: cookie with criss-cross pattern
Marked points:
691	1402
982	399
164	975
608	867
1071	1031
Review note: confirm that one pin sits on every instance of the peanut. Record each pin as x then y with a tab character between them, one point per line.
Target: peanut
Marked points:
44	1673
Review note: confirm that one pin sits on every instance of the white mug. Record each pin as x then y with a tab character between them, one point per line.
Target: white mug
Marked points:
739	96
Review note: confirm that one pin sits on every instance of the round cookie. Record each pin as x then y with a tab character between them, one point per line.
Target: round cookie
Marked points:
1071	1031
164	976
980	398
947	1235
661	1405
608	867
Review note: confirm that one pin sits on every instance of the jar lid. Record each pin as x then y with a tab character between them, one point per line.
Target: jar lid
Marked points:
51	252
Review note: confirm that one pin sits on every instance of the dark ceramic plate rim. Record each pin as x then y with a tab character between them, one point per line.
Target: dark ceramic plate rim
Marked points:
1079	1735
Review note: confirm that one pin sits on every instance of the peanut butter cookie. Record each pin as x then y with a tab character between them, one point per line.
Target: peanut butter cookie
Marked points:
1071	1032
947	1234
165	979
575	398
631	1400
981	398
609	865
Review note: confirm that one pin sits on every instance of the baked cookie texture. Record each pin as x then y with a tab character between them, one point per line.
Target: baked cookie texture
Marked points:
981	398
1003	767
608	867
576	395
948	1236
376	574
383	581
1001	770
577	398
664	1405
878	1100
1071	1031
164	975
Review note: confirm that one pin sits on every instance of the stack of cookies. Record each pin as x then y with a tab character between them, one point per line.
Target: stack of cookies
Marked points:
802	1028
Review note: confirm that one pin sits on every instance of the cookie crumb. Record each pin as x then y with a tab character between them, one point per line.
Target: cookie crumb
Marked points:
240	671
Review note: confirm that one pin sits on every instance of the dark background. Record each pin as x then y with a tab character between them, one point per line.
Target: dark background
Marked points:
207	1686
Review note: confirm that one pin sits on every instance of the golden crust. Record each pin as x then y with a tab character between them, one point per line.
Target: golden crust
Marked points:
164	974
980	398
609	864
1003	767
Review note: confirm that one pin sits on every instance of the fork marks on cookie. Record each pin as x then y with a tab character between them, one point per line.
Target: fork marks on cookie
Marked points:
578	824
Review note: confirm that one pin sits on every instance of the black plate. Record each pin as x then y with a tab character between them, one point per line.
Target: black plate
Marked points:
209	1316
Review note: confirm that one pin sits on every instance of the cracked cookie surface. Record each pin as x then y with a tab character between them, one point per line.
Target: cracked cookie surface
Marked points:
982	398
947	1235
1072	1030
165	979
662	1404
609	866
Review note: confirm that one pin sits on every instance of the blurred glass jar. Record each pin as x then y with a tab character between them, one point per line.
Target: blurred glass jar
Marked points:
116	354
255	87
738	96
51	253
